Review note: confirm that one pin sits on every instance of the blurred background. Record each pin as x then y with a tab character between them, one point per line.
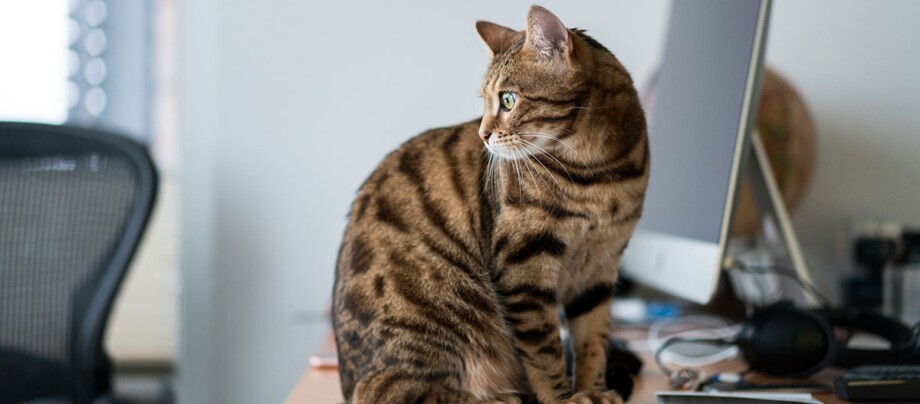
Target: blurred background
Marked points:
264	117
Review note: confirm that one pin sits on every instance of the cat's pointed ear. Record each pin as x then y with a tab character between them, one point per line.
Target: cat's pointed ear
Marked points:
547	37
496	37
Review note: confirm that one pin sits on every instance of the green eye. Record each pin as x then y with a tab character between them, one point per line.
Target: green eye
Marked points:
507	99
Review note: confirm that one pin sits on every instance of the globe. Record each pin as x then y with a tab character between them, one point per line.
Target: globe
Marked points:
788	134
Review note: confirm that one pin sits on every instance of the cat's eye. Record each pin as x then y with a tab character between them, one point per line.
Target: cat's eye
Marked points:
507	100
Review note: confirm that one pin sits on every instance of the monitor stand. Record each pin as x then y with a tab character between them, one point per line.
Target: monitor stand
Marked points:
776	227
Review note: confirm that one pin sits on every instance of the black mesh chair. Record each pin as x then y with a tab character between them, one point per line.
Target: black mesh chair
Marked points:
73	205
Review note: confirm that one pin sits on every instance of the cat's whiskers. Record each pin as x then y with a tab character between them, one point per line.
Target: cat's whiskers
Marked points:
545	169
548	188
548	154
519	155
494	172
489	174
526	156
553	138
522	155
592	108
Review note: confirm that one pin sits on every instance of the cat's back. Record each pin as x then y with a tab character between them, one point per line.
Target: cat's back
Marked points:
436	152
432	180
413	263
422	206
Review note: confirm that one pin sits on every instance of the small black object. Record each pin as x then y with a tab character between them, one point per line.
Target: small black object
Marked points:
622	365
618	352
880	383
874	252
863	291
619	379
911	250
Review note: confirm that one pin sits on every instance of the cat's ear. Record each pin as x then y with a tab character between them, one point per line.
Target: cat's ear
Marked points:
547	37
496	37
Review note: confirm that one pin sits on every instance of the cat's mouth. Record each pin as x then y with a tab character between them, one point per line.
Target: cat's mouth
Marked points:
517	146
511	147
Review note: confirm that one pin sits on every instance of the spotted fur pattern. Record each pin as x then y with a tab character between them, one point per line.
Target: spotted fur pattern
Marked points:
459	251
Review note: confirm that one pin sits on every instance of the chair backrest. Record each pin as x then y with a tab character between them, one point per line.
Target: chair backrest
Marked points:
73	205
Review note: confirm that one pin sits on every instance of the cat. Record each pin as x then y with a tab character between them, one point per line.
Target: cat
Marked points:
464	241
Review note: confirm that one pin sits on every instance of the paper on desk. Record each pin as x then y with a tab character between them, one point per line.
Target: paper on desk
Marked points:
690	397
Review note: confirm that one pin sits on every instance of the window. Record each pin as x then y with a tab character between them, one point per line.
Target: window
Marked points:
33	60
85	62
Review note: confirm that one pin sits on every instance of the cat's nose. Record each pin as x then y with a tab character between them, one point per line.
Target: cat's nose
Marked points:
485	136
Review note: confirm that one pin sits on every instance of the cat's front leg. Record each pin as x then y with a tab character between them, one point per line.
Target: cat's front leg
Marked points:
588	315
530	303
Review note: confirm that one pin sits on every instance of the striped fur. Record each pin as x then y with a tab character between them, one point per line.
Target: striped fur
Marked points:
457	255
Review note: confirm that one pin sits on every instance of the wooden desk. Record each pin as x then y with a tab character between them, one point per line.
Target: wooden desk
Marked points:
322	386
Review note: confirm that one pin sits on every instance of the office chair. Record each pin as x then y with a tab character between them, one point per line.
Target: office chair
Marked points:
73	205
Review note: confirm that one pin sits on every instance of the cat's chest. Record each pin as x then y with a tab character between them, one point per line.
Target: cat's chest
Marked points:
604	232
594	233
592	224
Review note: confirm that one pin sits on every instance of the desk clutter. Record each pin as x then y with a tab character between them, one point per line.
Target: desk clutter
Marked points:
782	340
779	354
709	373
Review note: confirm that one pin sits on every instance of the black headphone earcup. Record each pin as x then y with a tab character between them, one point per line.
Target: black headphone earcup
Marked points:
785	341
903	348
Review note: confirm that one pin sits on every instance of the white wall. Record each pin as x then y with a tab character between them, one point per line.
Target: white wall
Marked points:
288	105
856	64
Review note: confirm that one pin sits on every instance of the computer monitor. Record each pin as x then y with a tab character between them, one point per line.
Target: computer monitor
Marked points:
699	130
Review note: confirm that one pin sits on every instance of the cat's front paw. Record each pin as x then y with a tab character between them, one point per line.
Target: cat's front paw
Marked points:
607	397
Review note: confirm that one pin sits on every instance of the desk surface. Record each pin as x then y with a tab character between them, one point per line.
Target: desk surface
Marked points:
322	386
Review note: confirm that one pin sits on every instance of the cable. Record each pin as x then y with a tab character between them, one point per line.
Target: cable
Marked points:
784	271
720	331
672	341
723	334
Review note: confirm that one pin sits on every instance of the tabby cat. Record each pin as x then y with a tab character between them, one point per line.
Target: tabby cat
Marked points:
461	245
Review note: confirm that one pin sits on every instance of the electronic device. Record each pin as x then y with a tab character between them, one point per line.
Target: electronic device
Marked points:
784	340
700	133
875	247
880	383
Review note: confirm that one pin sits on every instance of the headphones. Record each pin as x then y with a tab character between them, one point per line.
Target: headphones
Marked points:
784	340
